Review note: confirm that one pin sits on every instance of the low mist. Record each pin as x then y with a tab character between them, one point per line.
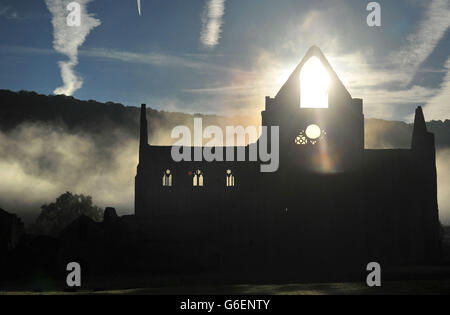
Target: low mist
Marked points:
40	161
443	173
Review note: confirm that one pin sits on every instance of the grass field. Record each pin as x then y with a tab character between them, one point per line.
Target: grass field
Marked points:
389	287
405	280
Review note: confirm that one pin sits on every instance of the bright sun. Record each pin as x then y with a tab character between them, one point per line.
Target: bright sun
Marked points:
314	80
313	132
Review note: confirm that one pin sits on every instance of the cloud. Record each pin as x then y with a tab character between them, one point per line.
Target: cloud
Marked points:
212	20
67	40
157	59
438	107
421	43
150	58
25	50
382	81
381	89
198	63
9	13
310	19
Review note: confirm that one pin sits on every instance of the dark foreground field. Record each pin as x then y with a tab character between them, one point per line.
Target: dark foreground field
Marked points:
389	287
404	280
412	280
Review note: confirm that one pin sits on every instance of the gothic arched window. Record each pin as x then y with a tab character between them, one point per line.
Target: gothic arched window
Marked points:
167	178
197	179
230	178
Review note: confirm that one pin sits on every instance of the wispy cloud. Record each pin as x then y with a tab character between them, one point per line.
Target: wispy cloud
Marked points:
212	22
421	43
381	89
381	81
196	62
67	40
149	58
25	50
386	88
386	83
159	60
438	107
9	13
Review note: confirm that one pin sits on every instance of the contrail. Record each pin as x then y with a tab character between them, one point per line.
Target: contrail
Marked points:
212	22
139	6
67	39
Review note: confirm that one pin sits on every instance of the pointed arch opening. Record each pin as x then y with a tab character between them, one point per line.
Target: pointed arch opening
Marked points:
197	179
167	178
314	84
230	178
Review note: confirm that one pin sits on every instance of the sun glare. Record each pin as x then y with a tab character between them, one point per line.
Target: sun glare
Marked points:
313	132
314	80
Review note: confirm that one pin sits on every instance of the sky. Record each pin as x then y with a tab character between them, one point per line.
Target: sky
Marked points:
225	56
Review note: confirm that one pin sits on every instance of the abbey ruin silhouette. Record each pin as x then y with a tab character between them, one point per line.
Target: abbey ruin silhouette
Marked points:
331	204
330	209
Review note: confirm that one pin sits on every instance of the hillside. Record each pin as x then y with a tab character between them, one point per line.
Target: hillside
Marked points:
94	117
53	144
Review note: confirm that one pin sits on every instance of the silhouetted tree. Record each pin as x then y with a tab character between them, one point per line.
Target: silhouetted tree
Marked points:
58	215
